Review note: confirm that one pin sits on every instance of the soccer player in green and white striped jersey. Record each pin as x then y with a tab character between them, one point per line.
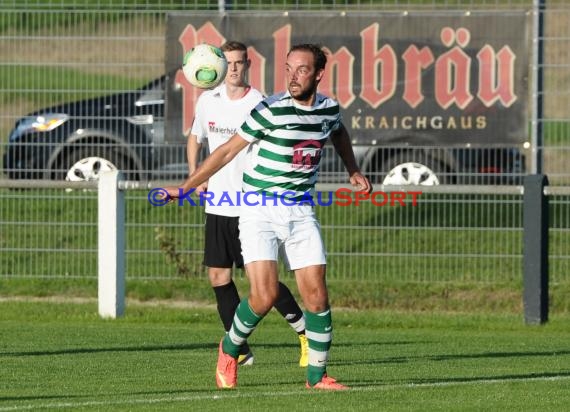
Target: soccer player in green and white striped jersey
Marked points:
288	142
285	133
219	113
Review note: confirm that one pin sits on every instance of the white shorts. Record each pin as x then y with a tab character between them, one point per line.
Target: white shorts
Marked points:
292	232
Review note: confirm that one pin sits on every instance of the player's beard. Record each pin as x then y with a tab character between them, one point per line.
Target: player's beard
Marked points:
303	94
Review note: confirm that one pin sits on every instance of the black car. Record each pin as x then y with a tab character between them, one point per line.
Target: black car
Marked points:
126	131
78	140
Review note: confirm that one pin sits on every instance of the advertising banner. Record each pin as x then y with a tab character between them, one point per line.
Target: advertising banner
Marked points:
427	79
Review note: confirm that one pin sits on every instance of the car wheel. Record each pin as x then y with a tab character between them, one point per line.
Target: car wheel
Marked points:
411	168
411	173
83	165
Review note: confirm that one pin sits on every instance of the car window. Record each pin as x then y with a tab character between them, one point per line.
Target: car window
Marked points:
151	96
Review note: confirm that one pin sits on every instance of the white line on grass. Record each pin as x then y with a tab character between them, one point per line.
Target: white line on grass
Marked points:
233	394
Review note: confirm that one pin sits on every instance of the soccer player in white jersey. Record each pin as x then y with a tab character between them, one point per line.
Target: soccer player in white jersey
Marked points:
219	114
285	134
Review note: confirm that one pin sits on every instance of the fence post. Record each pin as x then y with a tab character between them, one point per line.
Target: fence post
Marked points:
535	250
111	239
537	87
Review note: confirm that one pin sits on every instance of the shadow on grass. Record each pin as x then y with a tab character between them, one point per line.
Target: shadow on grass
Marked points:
514	377
76	351
499	355
196	346
465	380
485	355
36	398
341	344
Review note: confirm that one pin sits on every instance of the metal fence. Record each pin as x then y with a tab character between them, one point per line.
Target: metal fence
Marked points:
466	234
64	51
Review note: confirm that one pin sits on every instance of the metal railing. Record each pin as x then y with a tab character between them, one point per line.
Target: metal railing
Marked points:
469	234
455	233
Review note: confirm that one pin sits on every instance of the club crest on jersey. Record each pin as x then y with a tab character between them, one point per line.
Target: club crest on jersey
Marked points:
325	126
307	154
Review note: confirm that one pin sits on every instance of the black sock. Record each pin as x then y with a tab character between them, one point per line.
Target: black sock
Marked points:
288	307
227	299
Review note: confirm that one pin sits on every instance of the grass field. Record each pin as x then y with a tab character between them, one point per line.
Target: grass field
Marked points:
62	356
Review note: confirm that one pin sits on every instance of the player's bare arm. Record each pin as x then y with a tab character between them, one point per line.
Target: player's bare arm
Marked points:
341	142
192	151
218	159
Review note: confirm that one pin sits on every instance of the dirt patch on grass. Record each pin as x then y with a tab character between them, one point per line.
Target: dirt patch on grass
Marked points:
178	304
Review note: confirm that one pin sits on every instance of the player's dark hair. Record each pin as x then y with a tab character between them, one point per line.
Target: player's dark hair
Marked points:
318	53
232	45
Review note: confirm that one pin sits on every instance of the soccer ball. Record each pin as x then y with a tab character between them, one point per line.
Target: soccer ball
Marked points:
205	66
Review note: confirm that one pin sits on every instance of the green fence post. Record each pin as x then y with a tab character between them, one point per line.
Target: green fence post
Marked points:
535	250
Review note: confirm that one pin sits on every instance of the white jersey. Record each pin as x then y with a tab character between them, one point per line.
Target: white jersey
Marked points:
217	119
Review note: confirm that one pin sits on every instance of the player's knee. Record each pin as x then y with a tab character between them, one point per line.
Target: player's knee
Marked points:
219	276
262	303
316	300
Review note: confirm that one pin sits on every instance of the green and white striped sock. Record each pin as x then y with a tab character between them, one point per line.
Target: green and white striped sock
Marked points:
243	325
319	335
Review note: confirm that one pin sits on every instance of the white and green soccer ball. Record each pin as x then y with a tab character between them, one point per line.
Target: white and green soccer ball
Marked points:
205	66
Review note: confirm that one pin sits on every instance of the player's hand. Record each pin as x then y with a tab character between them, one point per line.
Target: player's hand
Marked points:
173	192
360	182
201	188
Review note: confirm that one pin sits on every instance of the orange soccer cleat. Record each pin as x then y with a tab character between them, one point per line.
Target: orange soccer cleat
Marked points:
328	384
226	370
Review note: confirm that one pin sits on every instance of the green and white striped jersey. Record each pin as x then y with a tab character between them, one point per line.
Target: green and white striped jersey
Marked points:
287	142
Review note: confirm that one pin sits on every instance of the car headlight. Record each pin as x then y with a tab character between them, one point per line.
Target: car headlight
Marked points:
39	123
